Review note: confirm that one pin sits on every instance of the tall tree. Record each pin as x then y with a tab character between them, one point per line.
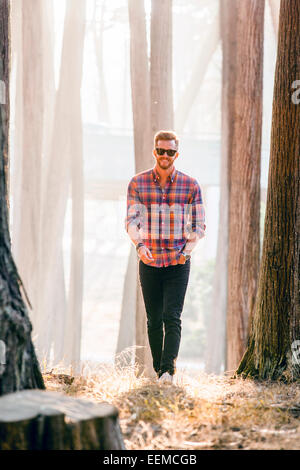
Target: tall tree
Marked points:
21	369
64	157
244	196
273	349
216	349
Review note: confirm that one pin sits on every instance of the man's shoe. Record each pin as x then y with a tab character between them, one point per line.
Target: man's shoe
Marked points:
166	378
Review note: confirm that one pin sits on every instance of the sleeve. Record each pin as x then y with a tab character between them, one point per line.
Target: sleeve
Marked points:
198	212
195	229
134	212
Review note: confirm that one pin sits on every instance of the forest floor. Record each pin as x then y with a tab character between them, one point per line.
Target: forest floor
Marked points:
195	412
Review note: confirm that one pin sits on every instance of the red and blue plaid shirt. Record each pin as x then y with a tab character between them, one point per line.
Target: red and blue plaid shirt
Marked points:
165	220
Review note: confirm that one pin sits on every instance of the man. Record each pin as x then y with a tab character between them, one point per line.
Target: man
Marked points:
165	220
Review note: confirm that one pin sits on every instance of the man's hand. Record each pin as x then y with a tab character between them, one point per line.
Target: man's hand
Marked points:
145	254
182	259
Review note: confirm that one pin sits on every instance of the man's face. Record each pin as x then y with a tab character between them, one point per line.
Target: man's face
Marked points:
165	161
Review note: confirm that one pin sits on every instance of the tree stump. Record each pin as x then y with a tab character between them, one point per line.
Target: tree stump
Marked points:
46	420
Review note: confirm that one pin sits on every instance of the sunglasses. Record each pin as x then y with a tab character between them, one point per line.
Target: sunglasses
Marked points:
170	152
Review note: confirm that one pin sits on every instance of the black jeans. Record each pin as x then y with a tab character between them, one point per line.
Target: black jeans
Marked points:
164	292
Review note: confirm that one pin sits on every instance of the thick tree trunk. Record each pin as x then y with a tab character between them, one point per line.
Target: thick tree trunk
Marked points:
216	348
244	202
4	88
40	420
273	349
20	368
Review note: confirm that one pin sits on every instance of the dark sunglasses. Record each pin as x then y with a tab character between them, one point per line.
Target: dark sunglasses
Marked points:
170	152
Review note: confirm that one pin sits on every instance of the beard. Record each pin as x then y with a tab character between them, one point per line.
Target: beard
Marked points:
164	163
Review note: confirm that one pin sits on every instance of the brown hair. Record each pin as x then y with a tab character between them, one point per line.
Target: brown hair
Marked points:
166	135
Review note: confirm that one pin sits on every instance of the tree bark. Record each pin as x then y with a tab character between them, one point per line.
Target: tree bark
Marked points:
19	366
4	101
272	352
40	420
244	202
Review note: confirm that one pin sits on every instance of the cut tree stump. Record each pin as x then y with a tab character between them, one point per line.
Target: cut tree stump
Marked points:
46	420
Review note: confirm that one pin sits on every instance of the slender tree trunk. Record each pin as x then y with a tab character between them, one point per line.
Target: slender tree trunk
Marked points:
152	105
103	107
19	368
244	202
64	152
273	349
161	66
216	348
274	7
140	92
193	86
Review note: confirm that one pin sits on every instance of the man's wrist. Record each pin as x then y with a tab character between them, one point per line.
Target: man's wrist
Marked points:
186	254
138	246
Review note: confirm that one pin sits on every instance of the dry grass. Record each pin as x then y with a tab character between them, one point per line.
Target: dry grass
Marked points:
201	412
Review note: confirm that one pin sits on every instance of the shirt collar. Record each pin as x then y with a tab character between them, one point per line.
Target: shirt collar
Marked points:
156	176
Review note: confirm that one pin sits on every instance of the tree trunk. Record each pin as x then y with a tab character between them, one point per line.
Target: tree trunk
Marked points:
4	101
274	7
244	202
64	152
161	66
19	366
140	92
216	348
273	349
40	420
193	86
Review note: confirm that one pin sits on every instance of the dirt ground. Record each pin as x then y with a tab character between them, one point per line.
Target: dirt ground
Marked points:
195	412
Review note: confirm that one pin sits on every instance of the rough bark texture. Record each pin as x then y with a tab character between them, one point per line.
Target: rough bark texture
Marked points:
4	77
244	202
276	322
19	368
40	420
215	352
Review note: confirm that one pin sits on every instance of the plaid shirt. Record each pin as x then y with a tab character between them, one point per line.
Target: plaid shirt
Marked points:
165	220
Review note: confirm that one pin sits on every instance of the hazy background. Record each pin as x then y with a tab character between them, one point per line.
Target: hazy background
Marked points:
109	163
